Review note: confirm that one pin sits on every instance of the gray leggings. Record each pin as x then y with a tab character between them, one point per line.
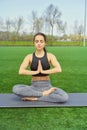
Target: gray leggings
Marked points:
36	89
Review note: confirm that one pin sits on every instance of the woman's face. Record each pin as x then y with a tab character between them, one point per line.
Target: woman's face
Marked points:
39	42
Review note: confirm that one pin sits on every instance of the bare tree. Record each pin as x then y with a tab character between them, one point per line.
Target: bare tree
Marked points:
46	25
1	24
78	30
5	28
61	27
38	25
34	17
8	27
17	24
75	28
52	15
37	22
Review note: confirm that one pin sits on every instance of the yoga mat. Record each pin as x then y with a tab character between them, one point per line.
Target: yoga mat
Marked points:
14	101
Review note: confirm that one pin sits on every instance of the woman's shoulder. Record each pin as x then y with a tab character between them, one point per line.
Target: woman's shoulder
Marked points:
50	54
28	56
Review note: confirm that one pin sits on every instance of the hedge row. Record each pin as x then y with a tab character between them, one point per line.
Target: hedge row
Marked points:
26	43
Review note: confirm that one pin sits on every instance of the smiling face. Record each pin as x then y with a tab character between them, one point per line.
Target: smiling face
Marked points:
39	42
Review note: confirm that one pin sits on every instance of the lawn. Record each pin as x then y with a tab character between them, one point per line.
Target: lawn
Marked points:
72	79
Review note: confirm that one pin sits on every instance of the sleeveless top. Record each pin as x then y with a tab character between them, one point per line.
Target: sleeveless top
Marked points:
44	62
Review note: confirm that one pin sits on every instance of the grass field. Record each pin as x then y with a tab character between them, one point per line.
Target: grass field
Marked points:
73	79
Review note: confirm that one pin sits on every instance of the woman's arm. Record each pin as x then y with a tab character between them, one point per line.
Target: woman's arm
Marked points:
56	66
23	68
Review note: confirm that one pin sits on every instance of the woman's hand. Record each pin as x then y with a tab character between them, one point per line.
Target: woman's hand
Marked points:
40	69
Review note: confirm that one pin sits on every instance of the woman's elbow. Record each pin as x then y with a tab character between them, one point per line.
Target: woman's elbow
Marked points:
59	70
20	72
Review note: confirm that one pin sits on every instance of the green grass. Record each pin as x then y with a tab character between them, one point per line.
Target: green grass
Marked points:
73	79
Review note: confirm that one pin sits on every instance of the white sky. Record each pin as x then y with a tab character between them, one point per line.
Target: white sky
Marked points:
72	10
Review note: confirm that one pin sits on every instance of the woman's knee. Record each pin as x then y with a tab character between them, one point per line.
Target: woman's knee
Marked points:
59	97
64	97
16	89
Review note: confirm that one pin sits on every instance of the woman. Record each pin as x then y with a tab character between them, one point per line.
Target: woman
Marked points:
39	62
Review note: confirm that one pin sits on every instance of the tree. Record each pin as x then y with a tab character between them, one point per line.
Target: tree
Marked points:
8	27
75	28
17	24
37	22
78	30
34	16
38	25
61	27
52	15
1	23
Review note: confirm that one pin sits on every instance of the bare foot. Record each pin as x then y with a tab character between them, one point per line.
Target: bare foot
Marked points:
29	99
47	92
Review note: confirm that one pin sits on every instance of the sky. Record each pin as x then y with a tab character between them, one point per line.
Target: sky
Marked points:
72	10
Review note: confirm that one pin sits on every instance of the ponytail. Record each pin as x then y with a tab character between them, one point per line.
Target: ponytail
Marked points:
44	49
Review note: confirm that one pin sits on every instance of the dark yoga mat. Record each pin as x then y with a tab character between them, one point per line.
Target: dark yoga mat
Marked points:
13	101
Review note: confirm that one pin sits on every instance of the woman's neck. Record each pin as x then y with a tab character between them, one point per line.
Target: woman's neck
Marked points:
39	53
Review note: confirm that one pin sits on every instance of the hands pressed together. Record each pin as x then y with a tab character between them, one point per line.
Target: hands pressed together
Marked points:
40	69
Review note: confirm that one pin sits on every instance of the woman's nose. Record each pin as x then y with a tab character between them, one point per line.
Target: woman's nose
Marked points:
39	42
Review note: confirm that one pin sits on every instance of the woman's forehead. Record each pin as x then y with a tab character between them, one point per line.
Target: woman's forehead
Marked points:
39	37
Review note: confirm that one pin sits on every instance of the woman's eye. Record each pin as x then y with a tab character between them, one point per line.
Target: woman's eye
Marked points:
41	41
36	41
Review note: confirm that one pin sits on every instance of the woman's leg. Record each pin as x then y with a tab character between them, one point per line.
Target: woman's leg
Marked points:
26	91
58	96
36	89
